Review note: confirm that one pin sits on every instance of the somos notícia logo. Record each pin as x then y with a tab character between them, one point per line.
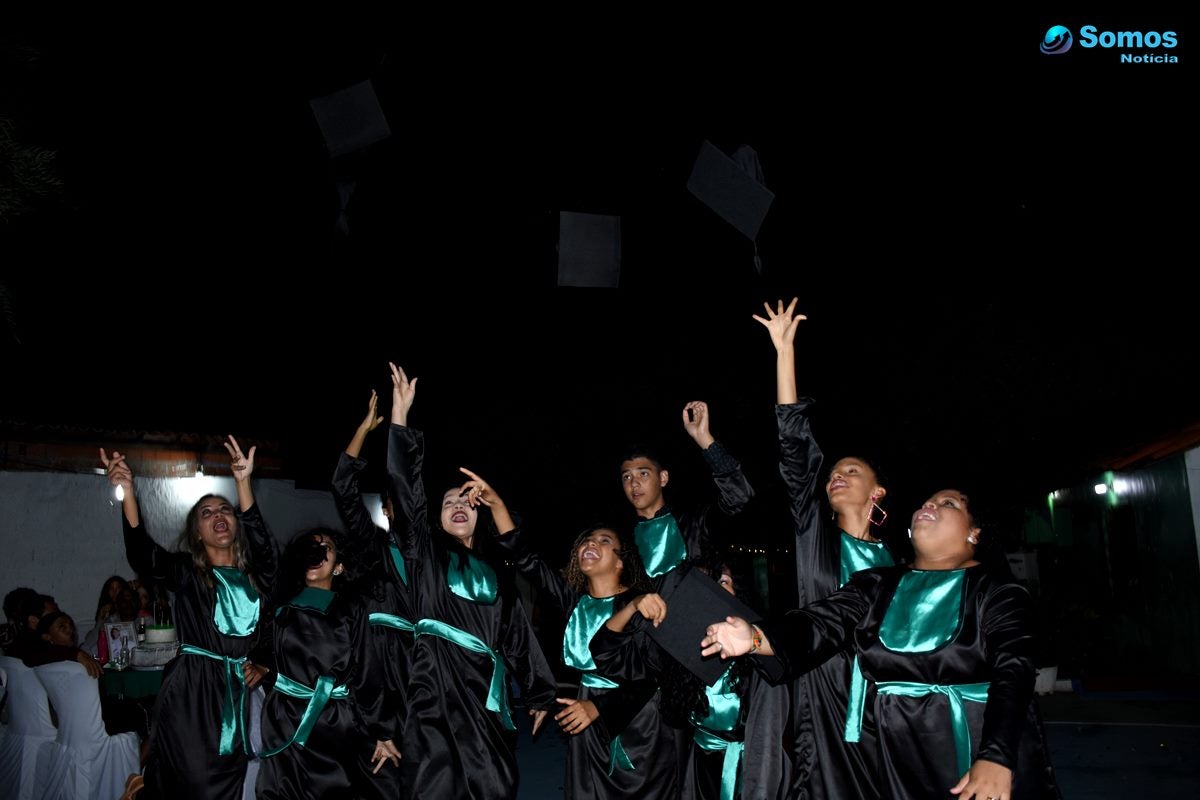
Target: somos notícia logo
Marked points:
1058	40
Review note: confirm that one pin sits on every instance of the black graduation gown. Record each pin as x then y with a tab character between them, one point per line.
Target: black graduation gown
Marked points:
454	747
184	759
310	643
914	746
825	766
704	529
387	594
628	711
762	718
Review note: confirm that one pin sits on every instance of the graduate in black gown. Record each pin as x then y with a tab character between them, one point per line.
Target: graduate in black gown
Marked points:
322	710
736	726
828	552
667	536
199	742
389	602
946	647
618	746
472	635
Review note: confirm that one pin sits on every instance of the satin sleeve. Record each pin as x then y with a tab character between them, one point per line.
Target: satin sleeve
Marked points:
807	637
628	655
377	704
264	549
361	531
525	658
405	461
712	528
535	569
1008	635
151	560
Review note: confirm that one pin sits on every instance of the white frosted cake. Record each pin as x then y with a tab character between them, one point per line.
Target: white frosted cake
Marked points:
160	634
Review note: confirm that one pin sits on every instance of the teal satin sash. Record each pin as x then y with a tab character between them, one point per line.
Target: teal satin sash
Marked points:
724	708
317	698
586	618
233	715
390	621
956	694
617	757
398	562
730	765
235	612
471	579
497	699
859	554
594	680
660	544
925	612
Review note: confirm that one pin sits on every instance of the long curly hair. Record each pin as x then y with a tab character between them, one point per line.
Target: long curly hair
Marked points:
633	573
189	542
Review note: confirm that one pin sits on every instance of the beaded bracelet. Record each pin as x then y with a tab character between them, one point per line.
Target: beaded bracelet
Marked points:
756	645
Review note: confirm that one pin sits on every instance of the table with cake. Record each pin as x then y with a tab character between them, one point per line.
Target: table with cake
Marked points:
143	677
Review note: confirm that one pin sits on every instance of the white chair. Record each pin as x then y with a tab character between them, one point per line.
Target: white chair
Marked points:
29	732
255	731
85	763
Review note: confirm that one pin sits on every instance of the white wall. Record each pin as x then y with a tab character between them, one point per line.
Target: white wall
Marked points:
60	533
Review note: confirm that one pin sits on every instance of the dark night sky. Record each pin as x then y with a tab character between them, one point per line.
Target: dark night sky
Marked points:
945	201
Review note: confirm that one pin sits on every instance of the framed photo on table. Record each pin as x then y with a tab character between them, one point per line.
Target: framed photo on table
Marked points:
113	631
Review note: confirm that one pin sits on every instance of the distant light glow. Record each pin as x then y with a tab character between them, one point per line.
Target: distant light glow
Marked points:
1100	488
120	493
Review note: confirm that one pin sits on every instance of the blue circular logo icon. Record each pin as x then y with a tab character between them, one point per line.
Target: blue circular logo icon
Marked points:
1056	41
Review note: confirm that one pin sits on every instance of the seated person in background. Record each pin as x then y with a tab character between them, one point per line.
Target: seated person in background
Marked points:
14	601
57	629
31	648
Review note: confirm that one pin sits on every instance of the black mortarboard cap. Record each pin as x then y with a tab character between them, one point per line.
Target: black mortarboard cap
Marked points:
732	187
694	602
350	119
589	250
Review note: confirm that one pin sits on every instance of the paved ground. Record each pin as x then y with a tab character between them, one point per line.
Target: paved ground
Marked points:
1105	746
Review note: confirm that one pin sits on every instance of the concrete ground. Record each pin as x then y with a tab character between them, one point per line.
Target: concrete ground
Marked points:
1104	745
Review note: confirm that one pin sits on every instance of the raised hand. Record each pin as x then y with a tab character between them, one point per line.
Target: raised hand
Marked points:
781	323
478	491
118	470
695	422
577	716
403	394
241	464
372	419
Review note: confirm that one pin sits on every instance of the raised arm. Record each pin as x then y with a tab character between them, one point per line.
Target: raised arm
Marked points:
145	556
405	462
531	564
800	458
733	490
264	549
782	324
361	530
